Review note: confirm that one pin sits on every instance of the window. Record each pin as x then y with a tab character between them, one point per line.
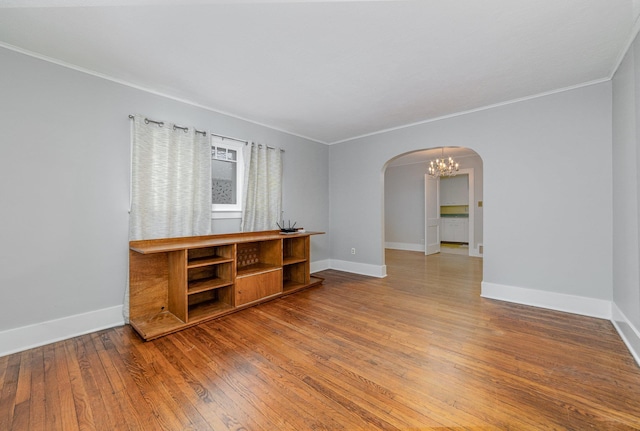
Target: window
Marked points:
227	174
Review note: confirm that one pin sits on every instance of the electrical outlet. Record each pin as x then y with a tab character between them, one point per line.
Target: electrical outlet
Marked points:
353	251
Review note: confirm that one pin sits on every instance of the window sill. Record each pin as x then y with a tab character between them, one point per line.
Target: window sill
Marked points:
217	215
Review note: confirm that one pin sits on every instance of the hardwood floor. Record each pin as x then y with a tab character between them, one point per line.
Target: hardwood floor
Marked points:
418	350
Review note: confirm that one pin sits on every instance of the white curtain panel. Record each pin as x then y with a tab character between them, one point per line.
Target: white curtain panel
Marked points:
263	188
171	182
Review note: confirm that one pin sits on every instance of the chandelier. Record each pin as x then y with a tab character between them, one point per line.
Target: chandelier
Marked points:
443	167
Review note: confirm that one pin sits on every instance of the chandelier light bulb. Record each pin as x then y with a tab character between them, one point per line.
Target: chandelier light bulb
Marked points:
443	167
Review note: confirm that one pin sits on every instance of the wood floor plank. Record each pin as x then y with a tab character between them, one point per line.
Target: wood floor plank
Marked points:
177	388
66	407
37	410
148	376
99	385
315	358
367	357
4	362
285	374
417	350
229	405
81	402
21	412
9	389
208	393
126	379
232	366
108	377
52	402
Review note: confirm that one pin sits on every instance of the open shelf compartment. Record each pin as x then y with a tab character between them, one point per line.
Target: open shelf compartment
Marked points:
257	257
295	250
204	305
295	276
209	277
205	256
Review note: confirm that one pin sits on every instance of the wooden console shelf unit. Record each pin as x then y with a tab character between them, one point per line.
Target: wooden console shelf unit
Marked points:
175	283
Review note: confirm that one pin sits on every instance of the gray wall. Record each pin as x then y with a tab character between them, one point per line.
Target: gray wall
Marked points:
547	181
404	202
64	160
626	216
404	205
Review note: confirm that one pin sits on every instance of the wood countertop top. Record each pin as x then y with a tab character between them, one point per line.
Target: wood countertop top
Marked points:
163	245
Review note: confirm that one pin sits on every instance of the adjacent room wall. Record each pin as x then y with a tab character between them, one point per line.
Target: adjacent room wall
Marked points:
404	204
547	196
404	207
65	194
626	196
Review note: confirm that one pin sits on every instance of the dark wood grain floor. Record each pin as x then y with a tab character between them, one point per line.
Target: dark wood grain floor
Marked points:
418	350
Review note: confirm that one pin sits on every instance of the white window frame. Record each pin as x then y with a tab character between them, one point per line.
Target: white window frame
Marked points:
222	211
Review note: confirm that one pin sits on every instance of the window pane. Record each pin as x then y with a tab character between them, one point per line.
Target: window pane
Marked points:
221	153
223	182
231	154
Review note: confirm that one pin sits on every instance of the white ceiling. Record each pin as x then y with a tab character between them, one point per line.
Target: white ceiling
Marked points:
331	70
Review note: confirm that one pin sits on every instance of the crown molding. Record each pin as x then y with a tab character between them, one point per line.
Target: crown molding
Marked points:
147	89
479	109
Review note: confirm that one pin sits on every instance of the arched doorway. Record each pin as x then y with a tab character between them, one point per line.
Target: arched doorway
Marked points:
404	200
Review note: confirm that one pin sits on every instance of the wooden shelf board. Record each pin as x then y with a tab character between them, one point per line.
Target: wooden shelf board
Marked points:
256	268
206	261
293	260
207	284
289	286
208	310
153	326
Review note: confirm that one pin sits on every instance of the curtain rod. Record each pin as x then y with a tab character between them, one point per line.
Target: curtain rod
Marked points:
161	123
175	126
242	140
230	138
268	147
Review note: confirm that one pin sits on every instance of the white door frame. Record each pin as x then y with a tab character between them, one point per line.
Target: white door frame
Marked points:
431	236
473	247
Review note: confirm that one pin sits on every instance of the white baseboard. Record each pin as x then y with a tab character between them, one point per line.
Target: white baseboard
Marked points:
628	332
379	271
476	252
582	305
36	335
404	246
319	265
